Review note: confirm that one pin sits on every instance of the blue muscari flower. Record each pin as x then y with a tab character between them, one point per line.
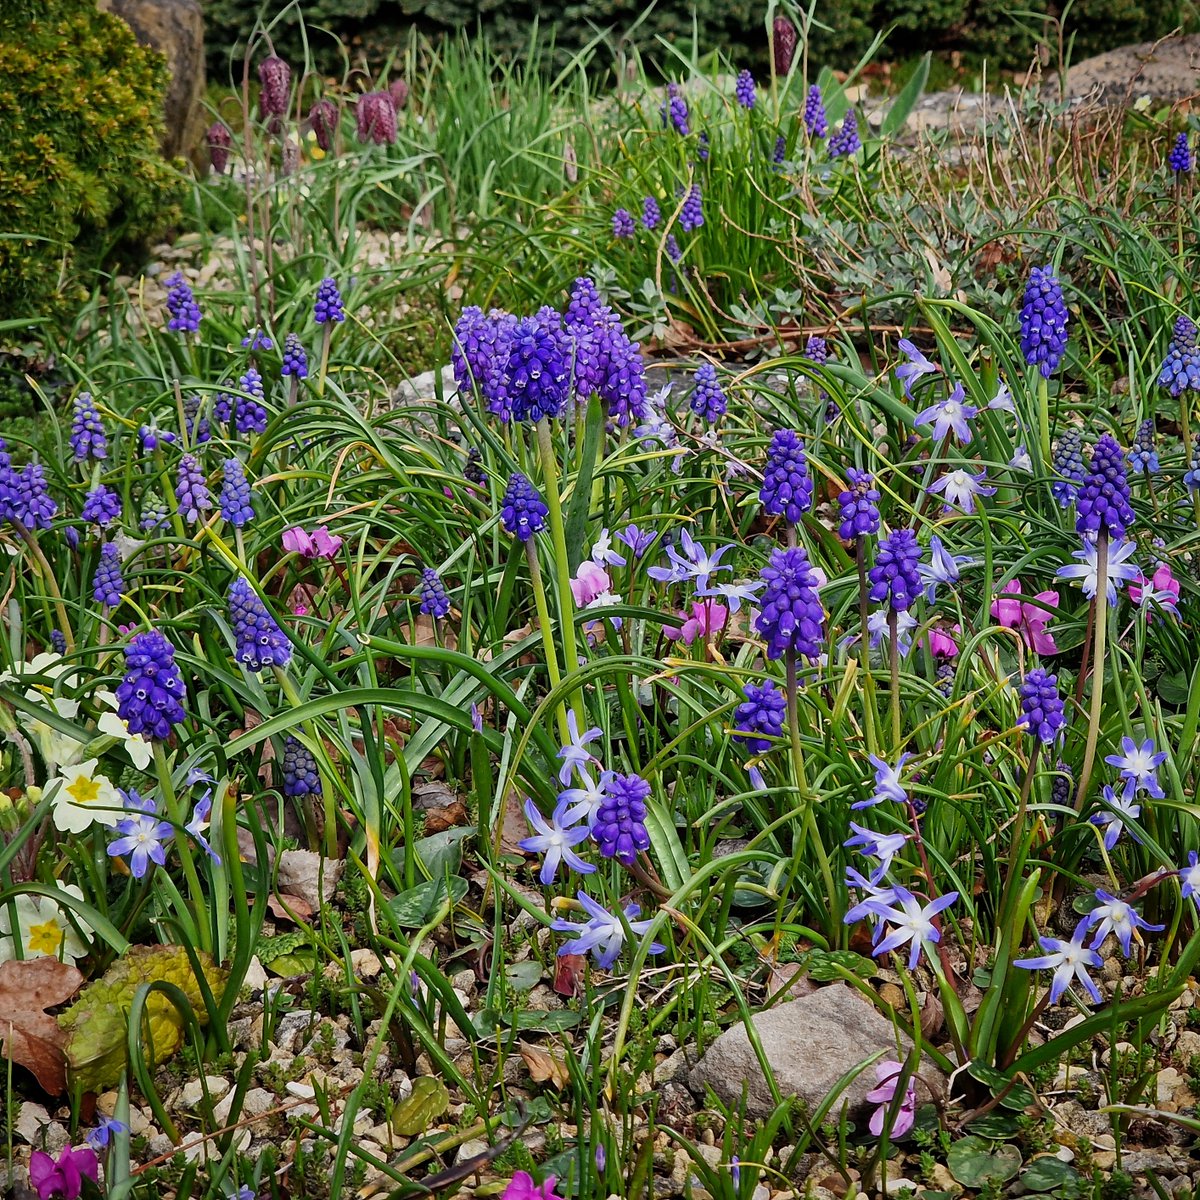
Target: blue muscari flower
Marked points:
108	582
816	349
256	340
651	213
473	471
622	223
295	361
744	89
434	601
480	353
1191	477
1181	370
780	151
606	361
603	934
250	415
1068	464
675	110
708	400
25	497
846	141
191	491
537	375
522	511
58	641
620	825
1103	500
101	507
895	577
1142	455
556	842
674	253
236	505
815	120
300	774
702	145
790	617
260	641
1041	705
150	697
181	304
87	433
759	718
328	304
143	835
859	515
72	537
1180	158
151	436
198	430
153	514
787	487
1044	320
691	215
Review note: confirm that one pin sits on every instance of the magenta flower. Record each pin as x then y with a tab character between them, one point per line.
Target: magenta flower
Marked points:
887	1076
941	644
318	544
62	1177
1161	590
1029	619
522	1187
590	581
707	620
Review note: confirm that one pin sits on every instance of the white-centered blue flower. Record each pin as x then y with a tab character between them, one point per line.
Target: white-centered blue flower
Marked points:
1120	570
882	846
959	488
603	934
887	782
1121	808
1139	767
574	754
555	842
942	567
917	366
1068	960
910	921
1113	915
949	416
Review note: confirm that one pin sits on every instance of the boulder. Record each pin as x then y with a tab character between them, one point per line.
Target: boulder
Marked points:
810	1043
175	28
1164	72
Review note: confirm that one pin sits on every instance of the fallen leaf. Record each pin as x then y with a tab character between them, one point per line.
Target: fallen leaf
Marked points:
516	827
31	1037
932	1015
306	874
438	820
568	974
300	909
544	1067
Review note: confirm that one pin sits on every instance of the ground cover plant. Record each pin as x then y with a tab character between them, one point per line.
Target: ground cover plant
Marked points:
408	783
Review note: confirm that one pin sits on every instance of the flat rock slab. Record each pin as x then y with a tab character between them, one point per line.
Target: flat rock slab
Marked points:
1166	72
810	1043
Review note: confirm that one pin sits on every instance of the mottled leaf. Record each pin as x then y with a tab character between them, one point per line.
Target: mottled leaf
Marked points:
428	1101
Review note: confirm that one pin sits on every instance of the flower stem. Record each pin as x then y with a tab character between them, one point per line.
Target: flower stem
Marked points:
870	717
1100	605
327	799
894	664
543	614
178	819
1043	403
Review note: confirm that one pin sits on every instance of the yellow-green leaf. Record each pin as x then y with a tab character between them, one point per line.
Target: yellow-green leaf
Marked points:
414	1116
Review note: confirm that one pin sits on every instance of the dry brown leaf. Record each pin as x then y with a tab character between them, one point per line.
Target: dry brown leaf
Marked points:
438	820
32	1038
544	1067
568	974
932	1016
300	909
516	827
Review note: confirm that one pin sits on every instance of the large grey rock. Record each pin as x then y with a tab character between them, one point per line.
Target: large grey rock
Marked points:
810	1043
175	28
1165	72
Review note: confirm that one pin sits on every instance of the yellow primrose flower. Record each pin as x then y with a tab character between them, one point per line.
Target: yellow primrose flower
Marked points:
83	795
44	928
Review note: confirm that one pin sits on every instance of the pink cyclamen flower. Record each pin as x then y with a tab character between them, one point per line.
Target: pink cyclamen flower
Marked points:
941	644
706	620
62	1178
1162	588
590	581
522	1187
1029	619
887	1075
318	544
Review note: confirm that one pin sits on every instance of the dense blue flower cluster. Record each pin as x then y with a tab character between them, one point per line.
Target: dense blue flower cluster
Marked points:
108	583
620	824
295	361
675	110
622	224
256	339
760	716
250	415
708	400
1068	464
260	642
1041	705
236	505
859	516
1191	477
1103	500
674	253
328	304
181	304
790	615
522	511
197	427
895	578
651	213
191	491
434	601
150	697
1142	455
480	353
87	433
473	471
815	120
300	775
606	361
846	141
25	497
787	487
1181	370
101	507
1180	159
691	215
58	641
780	151
1044	320
536	380
816	349
743	89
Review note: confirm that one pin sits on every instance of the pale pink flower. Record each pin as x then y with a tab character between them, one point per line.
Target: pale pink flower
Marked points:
707	619
318	544
1030	620
887	1075
590	581
1162	588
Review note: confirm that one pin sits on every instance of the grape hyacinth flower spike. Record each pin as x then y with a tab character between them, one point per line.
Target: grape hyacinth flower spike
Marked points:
815	120
846	141
87	433
1180	371
260	642
434	601
191	491
182	306
295	361
744	89
150	697
1069	466
787	487
859	506
1042	711
522	511
299	769
108	582
1044	320
619	827
1180	159
236	505
708	399
651	213
759	718
691	214
622	224
791	617
1102	505
328	304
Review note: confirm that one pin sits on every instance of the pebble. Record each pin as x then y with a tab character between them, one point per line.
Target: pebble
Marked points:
1166	1084
192	1095
894	1187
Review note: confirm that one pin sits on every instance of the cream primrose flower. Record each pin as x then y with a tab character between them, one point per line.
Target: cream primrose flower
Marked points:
139	749
83	795
45	928
55	748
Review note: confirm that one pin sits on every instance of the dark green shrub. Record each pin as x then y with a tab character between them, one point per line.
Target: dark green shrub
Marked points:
80	107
